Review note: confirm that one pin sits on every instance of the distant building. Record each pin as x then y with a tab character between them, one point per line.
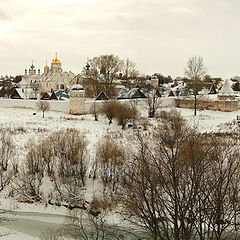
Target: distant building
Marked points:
225	100
53	78
131	93
102	96
77	95
154	81
20	93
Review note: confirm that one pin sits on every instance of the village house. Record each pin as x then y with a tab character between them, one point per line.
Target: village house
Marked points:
225	100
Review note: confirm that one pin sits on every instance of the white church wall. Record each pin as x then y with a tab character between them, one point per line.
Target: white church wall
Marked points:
59	106
141	103
64	106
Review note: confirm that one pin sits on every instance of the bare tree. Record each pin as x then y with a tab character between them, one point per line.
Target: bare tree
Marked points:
110	158
7	154
182	184
27	184
153	103
109	109
53	234
70	149
130	70
219	214
103	70
45	151
162	182
43	106
195	71
8	170
94	111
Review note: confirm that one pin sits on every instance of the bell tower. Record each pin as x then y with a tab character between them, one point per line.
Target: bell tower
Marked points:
77	95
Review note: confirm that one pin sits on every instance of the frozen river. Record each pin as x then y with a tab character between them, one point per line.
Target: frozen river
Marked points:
28	226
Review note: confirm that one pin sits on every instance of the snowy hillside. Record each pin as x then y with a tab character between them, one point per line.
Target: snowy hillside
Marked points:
27	127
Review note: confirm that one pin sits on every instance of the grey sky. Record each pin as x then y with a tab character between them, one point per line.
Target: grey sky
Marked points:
159	35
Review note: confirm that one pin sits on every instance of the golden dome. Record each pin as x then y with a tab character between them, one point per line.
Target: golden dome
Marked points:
55	61
46	66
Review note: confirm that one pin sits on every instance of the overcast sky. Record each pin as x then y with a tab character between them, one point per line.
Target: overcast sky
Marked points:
159	35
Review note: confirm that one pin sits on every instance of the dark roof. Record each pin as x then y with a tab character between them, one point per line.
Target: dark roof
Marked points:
53	96
171	94
46	96
127	93
102	96
62	94
212	90
16	95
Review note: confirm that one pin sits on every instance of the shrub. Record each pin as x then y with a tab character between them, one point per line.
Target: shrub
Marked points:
109	109
124	113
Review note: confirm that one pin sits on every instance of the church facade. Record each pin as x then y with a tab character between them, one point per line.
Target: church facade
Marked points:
53	78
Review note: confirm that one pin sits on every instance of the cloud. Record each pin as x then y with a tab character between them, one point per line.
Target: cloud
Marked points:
4	17
160	35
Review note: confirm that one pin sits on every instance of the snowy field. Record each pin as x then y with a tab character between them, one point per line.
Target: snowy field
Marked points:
31	219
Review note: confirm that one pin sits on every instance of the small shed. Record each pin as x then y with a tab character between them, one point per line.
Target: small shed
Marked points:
22	93
102	96
17	94
46	96
171	94
53	96
49	96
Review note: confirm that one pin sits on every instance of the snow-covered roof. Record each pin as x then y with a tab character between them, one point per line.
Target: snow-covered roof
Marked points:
77	87
226	89
62	95
26	93
204	91
127	93
119	86
23	81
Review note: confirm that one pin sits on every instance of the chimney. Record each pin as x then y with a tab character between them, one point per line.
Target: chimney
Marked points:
23	90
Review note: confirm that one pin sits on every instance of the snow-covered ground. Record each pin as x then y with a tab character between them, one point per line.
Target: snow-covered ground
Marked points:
35	218
209	121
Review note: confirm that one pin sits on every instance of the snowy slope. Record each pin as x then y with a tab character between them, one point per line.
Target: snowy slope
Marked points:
27	127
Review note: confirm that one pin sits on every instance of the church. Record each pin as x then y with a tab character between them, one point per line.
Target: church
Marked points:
53	78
